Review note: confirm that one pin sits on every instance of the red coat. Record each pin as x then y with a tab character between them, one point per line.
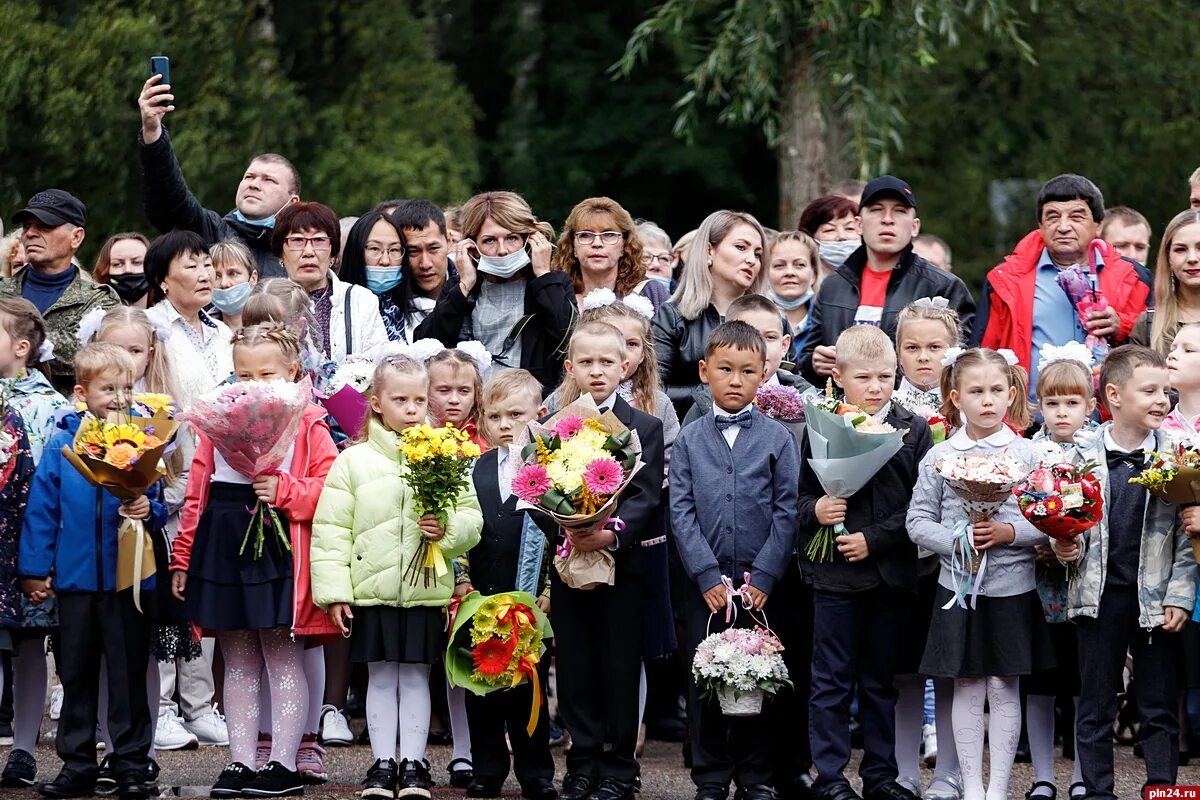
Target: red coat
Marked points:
299	491
1006	313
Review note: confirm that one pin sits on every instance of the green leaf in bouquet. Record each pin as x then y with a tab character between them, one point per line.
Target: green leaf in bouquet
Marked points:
556	502
528	450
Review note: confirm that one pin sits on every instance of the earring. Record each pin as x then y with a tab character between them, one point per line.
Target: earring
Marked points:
710	263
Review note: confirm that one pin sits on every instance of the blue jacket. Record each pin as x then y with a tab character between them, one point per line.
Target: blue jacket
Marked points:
70	528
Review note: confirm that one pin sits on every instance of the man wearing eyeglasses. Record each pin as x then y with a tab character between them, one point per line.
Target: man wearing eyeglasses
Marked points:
268	184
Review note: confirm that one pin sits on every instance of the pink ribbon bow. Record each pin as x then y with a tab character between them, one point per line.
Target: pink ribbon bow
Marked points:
564	547
732	593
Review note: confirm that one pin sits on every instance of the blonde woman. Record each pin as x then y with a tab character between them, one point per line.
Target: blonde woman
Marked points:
1176	284
792	281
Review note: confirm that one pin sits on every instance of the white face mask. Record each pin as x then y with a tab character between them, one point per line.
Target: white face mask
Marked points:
789	305
504	266
835	253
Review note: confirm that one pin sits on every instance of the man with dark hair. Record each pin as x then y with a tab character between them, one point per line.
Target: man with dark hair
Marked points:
1024	304
269	183
428	250
53	223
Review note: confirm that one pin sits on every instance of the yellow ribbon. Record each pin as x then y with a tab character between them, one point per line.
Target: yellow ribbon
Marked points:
434	560
535	707
142	567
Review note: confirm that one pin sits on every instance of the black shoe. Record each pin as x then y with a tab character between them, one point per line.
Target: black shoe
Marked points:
381	779
798	787
890	791
613	789
483	787
67	785
539	789
461	778
712	791
275	780
151	776
839	791
576	787
132	786
1030	795
757	791
20	772
232	781
413	779
441	737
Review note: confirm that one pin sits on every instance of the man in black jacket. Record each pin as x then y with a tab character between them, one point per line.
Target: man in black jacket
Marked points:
879	279
269	183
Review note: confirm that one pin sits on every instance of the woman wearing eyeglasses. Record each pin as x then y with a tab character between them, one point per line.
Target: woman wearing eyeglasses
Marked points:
599	249
506	295
374	259
305	239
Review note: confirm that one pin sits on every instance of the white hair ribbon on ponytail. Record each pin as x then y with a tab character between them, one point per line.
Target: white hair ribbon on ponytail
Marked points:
89	325
1071	351
160	322
46	351
951	356
421	350
639	305
1009	357
478	353
931	302
599	298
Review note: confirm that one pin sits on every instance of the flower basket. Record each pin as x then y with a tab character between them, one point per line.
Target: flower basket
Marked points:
745	704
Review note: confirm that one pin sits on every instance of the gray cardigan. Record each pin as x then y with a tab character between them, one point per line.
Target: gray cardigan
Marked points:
734	511
1010	568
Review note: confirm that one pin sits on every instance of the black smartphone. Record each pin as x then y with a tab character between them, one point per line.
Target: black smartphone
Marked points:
161	65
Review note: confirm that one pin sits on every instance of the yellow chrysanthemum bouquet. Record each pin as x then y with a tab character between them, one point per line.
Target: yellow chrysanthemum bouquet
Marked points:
439	464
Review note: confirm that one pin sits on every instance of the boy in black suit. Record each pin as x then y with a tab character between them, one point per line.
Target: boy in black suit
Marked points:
599	662
511	556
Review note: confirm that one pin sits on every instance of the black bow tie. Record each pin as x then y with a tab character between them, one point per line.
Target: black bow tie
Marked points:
742	419
1136	460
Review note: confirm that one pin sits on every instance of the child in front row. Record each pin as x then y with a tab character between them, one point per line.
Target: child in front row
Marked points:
69	551
365	534
511	556
986	641
733	508
861	595
598	661
1137	576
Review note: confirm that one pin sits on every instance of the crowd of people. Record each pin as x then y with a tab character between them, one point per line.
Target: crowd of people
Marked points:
482	318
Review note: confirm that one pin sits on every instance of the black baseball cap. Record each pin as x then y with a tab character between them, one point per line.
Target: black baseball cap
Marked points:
53	207
887	185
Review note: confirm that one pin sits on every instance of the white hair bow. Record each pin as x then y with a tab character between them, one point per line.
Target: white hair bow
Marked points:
1071	351
931	302
421	350
160	322
478	353
89	325
951	356
46	351
1009	357
599	298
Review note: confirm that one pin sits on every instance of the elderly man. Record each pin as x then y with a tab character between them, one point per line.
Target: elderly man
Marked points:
1024	305
269	183
53	223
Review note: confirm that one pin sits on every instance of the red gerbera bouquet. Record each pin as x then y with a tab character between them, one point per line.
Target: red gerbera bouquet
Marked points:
1062	501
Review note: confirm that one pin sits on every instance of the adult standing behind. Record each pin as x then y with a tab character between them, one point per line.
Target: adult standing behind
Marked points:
599	249
53	223
269	183
234	277
792	280
1176	285
373	258
724	263
121	265
1128	231
505	295
1023	306
833	221
879	278
200	349
656	254
427	242
306	237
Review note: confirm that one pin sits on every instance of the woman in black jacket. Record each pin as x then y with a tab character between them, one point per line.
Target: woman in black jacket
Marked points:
724	263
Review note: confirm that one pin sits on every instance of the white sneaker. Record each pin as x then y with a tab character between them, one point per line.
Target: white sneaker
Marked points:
334	728
56	701
929	732
209	730
171	735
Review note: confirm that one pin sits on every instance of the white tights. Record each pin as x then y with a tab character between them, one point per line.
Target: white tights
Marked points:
29	691
1039	721
398	697
245	654
1004	730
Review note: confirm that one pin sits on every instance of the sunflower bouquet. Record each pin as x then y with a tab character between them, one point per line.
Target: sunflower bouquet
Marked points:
497	643
439	464
1174	475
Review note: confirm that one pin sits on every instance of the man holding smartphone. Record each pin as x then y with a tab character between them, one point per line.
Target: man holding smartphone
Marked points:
268	184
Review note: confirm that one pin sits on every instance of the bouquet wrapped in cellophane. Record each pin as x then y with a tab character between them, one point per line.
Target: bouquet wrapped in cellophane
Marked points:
342	389
575	466
252	424
123	454
439	464
497	643
983	482
1062	501
1174	476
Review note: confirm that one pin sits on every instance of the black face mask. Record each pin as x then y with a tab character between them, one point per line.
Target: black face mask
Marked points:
130	287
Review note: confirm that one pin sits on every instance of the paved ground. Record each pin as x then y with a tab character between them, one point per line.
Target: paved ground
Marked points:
190	773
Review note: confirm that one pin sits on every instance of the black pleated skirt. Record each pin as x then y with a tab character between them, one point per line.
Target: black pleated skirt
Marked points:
231	592
404	635
1002	637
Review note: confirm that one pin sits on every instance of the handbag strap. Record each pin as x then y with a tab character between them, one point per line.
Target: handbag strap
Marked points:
349	327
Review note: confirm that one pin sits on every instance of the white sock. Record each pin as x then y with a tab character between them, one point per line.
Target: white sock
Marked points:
969	697
1039	721
29	692
643	694
947	771
314	672
1077	773
460	729
413	680
910	714
1004	732
383	702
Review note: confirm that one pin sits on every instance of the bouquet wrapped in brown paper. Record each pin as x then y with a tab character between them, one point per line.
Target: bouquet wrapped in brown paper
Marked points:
123	455
1174	475
575	466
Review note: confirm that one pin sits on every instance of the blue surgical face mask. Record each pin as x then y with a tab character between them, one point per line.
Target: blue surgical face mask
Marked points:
231	301
835	253
789	305
504	266
383	279
666	282
269	222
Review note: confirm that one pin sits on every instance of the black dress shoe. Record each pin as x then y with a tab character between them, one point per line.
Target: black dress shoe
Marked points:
890	791
799	787
712	791
839	791
67	785
576	787
613	789
482	787
539	789
757	791
132	786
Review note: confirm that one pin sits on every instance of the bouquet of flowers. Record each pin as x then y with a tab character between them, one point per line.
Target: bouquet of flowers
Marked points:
343	388
1062	501
983	482
1174	475
1083	289
576	464
848	448
939	429
252	424
123	455
739	666
439	464
497	643
784	404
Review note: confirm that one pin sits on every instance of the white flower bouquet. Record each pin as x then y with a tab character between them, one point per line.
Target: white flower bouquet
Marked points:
739	666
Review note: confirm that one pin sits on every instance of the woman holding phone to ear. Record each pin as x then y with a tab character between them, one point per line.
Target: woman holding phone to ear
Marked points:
506	295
